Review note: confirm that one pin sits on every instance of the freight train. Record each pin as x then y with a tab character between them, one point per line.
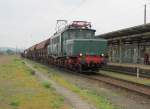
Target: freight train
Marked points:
73	47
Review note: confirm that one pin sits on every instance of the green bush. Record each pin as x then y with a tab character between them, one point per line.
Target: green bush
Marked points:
14	103
46	84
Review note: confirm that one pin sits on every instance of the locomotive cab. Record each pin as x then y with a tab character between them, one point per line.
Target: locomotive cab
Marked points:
89	53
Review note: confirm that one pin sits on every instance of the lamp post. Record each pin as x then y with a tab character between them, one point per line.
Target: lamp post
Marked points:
145	14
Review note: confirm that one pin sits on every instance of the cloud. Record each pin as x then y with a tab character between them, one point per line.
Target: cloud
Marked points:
26	22
110	15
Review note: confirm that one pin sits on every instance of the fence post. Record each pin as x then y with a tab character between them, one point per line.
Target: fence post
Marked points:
137	72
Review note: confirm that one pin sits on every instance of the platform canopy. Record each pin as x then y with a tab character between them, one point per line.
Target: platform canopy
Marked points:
140	29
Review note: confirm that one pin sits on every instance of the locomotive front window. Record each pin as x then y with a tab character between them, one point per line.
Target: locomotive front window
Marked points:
81	34
89	34
72	34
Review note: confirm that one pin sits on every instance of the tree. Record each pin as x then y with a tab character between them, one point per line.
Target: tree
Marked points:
9	51
1	53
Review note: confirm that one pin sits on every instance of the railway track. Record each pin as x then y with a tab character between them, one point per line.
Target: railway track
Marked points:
128	85
135	87
127	70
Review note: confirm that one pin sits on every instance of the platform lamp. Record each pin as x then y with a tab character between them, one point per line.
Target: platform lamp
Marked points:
145	14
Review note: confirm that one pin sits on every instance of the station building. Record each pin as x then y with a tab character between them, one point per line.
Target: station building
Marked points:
128	45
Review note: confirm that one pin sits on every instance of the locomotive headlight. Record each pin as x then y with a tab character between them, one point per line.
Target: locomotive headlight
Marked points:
81	54
102	54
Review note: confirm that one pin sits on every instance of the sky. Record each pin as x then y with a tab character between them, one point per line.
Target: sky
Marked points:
27	22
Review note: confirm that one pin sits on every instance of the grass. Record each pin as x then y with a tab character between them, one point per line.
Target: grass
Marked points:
14	103
91	96
46	84
20	89
140	80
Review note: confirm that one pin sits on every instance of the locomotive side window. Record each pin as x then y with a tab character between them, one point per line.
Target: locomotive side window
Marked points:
72	35
89	34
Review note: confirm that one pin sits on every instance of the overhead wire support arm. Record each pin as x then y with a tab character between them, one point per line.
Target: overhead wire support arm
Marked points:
60	24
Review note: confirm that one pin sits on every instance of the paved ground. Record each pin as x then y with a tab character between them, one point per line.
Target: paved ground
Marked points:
4	59
71	97
141	80
142	66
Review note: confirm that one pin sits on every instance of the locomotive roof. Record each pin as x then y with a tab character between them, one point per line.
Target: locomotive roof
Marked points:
75	25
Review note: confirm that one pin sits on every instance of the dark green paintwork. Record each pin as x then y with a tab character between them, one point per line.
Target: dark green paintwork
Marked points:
86	46
72	42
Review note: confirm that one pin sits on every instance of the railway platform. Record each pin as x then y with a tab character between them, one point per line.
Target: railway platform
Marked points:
125	77
143	70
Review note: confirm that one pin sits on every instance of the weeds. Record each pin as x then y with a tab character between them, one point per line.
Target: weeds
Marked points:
14	103
31	72
58	103
20	90
46	84
90	95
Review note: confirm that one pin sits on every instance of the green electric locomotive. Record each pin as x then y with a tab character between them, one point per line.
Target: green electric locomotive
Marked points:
75	47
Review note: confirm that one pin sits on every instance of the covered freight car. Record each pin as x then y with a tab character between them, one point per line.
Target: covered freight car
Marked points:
41	50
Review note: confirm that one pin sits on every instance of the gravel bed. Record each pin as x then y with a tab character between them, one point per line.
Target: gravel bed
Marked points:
121	98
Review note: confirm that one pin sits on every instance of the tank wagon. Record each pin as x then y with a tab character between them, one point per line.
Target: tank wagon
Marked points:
73	47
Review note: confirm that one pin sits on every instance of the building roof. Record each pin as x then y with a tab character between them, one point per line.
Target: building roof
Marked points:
126	32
